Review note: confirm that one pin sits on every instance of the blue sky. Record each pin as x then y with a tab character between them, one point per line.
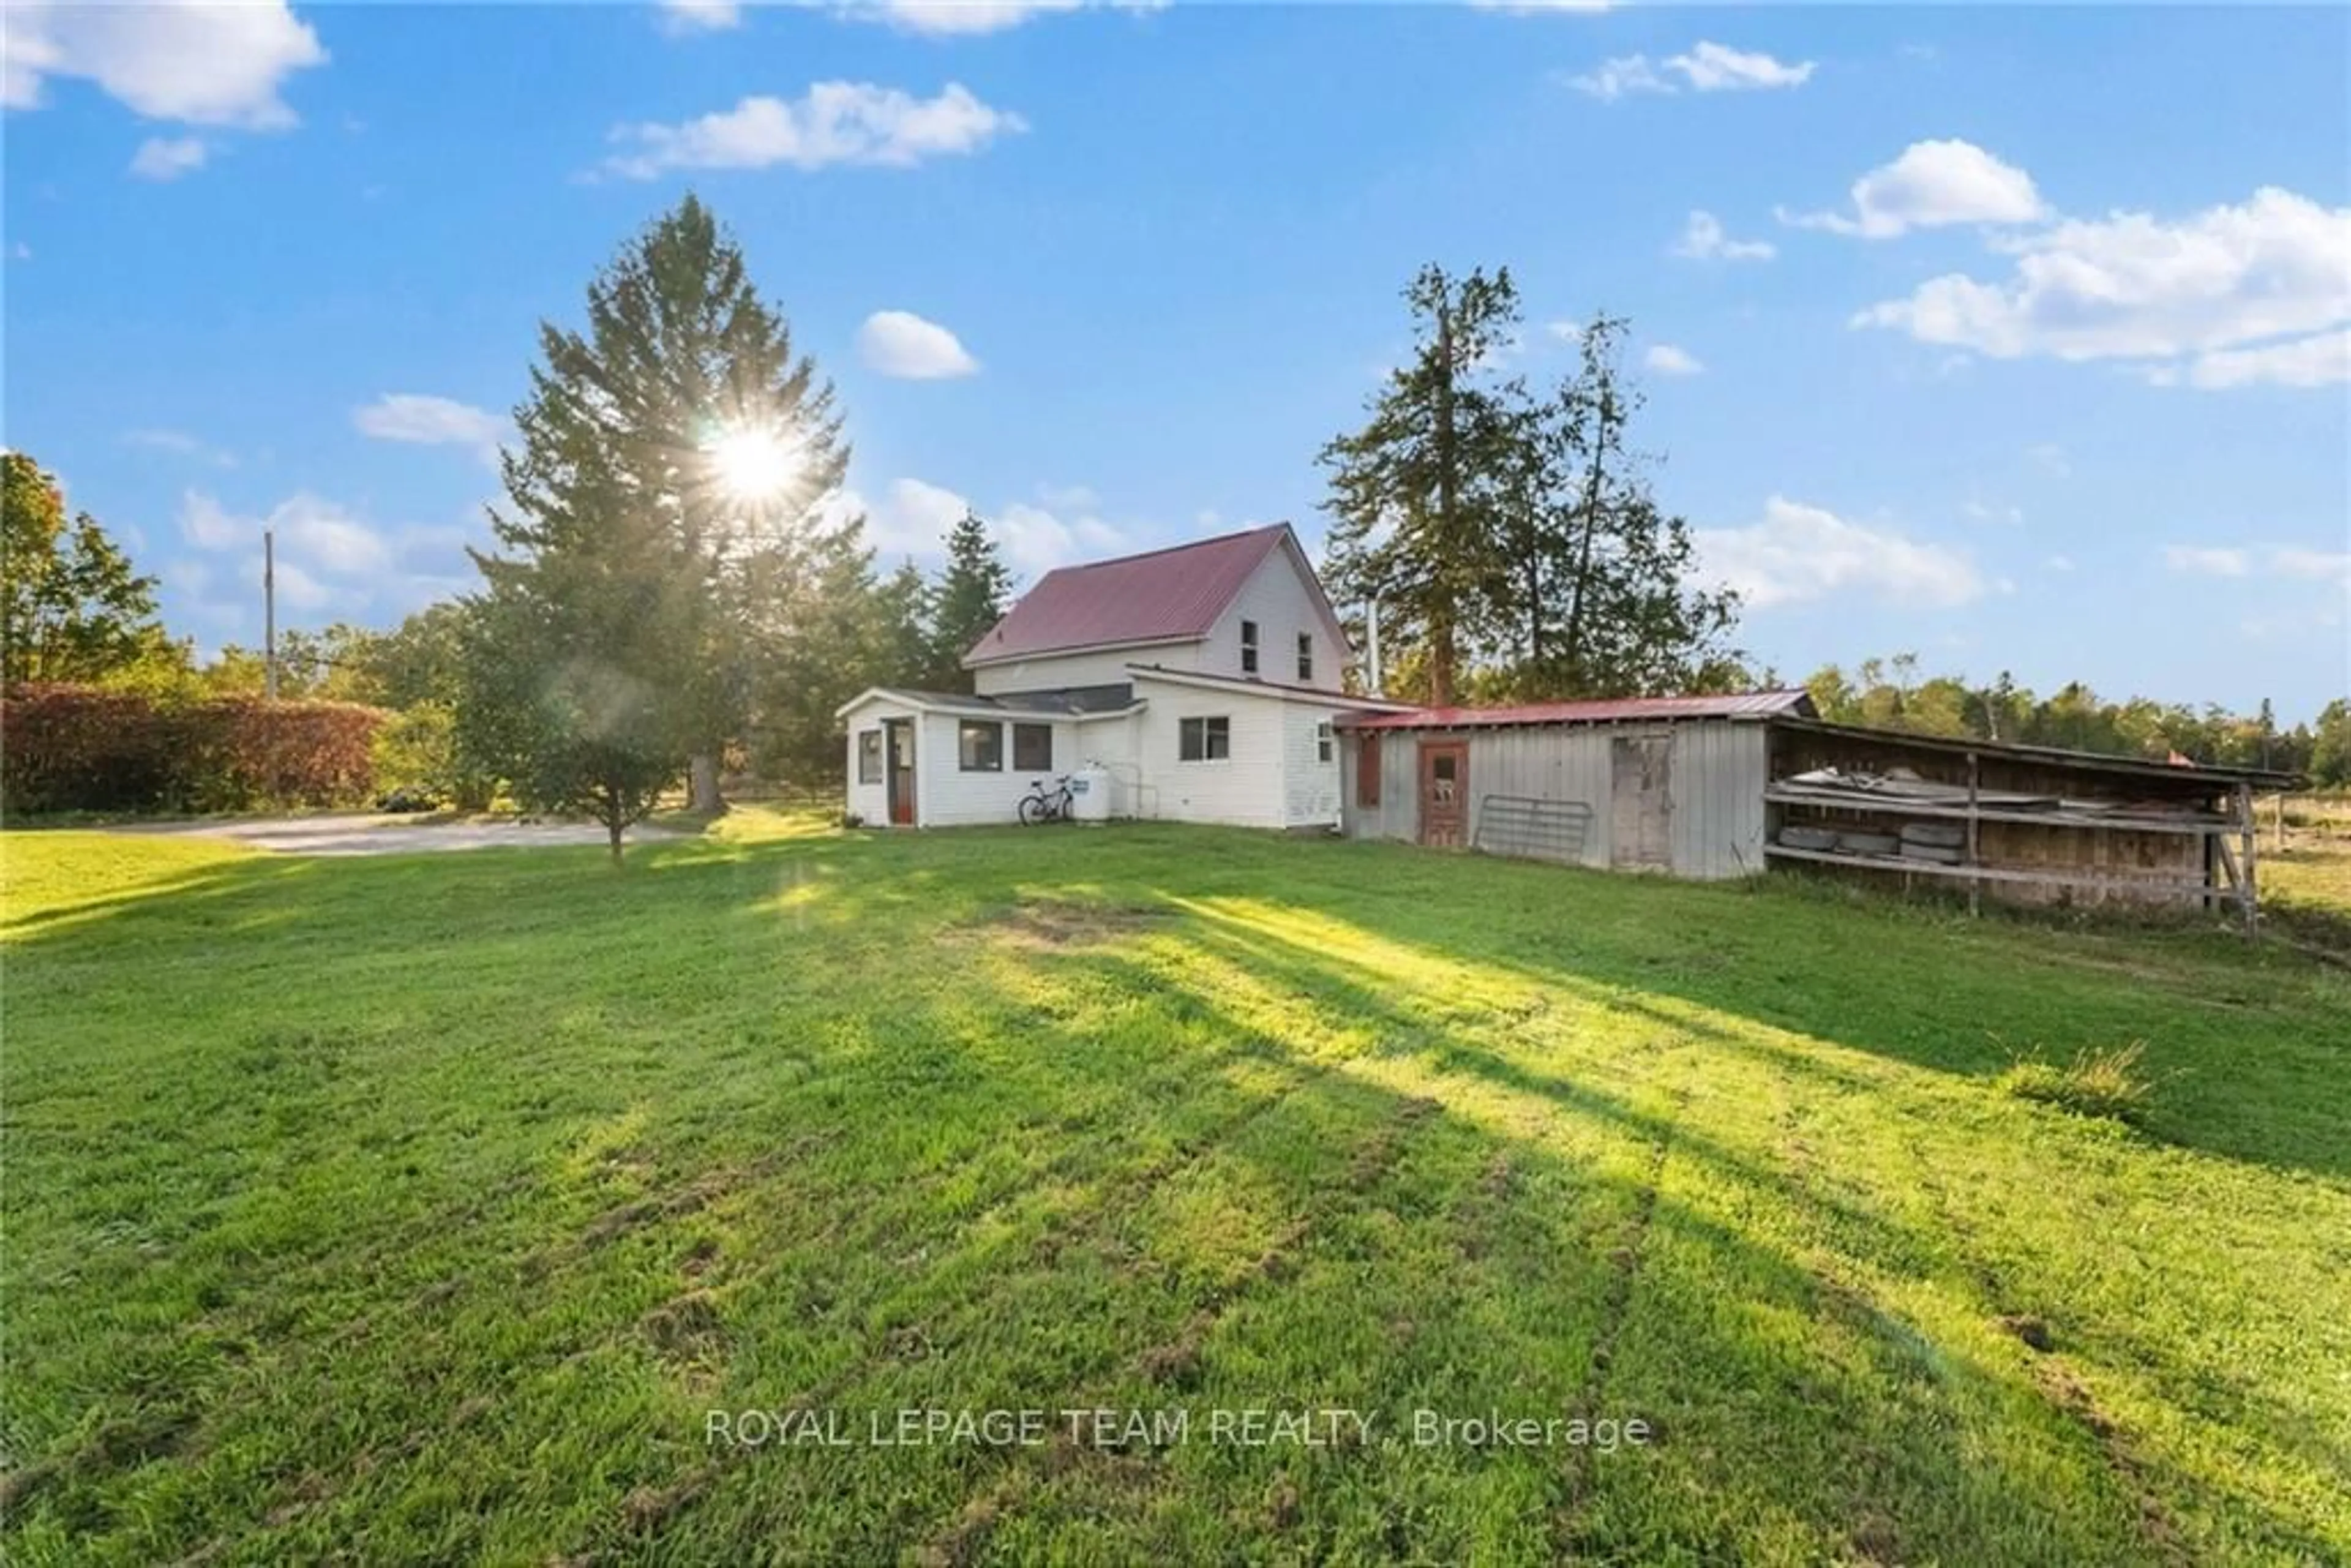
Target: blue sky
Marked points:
2015	337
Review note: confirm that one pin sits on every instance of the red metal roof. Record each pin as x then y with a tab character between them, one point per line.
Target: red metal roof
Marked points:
1164	596
1735	704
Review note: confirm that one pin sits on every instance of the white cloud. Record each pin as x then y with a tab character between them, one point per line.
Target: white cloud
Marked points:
1703	240
217	63
1931	185
832	122
1615	78
1707	67
1981	511
2206	562
1036	541
2050	458
1668	361
2216	285
179	444
682	17
901	343
20	251
1713	68
2059	563
913	516
2319	360
2295	562
1566	331
311	531
1800	552
1542	8
428	420
947	18
169	157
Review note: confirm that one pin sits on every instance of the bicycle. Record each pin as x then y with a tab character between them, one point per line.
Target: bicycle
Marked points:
1041	805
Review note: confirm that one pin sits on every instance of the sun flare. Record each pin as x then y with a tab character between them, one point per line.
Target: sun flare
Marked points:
752	464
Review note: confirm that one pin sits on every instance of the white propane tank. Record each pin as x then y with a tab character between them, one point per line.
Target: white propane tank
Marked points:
1090	794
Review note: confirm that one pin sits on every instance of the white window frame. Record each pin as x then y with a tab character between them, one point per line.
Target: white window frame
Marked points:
1249	647
1326	742
868	750
1306	660
1211	724
963	757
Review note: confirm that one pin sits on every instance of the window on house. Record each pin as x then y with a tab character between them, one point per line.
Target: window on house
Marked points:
1306	659
1205	739
869	756
1249	647
1325	742
1032	748
979	746
1367	769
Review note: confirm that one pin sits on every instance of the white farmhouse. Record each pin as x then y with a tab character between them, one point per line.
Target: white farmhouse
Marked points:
1204	680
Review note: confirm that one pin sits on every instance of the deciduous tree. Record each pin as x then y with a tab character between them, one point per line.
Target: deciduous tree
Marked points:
71	608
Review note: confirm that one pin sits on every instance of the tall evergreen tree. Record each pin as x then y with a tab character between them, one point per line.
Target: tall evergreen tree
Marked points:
972	595
721	441
71	608
666	511
1418	494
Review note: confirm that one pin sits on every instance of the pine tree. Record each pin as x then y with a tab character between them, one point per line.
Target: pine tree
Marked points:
972	595
707	424
667	505
1417	496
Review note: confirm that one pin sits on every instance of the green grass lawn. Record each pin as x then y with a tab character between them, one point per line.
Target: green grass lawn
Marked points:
423	1208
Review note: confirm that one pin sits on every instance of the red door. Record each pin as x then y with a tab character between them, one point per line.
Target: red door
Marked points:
1443	793
899	744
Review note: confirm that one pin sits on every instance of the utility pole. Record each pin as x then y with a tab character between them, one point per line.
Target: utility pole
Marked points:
269	612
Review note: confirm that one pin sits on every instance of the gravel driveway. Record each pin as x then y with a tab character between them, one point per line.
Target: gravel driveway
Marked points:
389	835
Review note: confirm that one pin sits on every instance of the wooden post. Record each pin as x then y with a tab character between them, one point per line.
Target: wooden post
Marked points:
1975	884
2279	815
2250	836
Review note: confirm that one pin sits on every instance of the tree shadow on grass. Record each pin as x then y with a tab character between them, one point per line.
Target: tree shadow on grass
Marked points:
998	1170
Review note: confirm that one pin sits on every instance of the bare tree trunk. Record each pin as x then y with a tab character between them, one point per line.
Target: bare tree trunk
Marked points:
702	784
1592	483
1441	623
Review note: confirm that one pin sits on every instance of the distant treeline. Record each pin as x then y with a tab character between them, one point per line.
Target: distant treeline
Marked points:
1888	693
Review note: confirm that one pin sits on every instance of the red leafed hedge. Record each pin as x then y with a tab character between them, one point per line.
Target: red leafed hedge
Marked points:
79	748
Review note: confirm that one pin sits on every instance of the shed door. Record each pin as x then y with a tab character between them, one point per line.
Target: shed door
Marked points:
1444	792
1641	804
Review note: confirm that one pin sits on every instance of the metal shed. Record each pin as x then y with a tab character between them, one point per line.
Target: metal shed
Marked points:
1663	784
1718	787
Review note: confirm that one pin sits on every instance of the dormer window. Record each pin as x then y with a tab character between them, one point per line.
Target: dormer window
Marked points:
1306	658
1249	647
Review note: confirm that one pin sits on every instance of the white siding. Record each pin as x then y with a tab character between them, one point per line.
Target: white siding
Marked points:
1310	786
1244	790
871	802
1283	604
1095	668
947	797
